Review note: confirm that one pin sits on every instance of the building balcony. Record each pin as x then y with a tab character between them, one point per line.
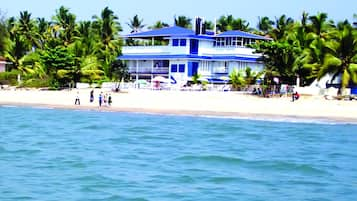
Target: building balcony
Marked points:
148	70
154	50
227	51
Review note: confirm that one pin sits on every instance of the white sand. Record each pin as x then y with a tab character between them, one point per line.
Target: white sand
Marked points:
192	103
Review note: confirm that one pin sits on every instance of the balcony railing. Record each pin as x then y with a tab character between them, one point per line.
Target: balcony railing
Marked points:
154	50
149	70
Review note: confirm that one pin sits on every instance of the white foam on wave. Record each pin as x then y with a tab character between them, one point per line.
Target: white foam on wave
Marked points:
281	119
8	106
42	107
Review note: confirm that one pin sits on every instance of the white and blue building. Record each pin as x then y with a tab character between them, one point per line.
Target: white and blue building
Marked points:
179	53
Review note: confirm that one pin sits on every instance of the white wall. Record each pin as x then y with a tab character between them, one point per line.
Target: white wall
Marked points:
179	76
2	66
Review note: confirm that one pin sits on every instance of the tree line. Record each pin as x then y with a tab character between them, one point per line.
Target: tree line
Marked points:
63	50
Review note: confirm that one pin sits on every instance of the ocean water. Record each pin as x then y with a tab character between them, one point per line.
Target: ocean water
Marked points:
51	154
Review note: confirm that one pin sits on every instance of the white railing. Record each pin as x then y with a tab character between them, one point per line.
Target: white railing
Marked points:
154	50
227	51
133	69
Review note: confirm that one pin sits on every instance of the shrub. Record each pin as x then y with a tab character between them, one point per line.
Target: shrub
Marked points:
36	83
9	78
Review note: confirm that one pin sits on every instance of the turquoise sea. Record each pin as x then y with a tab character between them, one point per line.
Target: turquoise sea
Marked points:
52	154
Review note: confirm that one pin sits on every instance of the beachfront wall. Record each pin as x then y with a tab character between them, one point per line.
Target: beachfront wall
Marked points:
184	54
2	66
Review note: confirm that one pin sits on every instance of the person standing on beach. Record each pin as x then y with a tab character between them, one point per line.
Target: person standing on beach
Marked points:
77	101
105	99
91	96
110	100
100	99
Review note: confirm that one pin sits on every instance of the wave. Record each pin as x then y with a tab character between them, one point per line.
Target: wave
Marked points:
212	158
266	165
297	120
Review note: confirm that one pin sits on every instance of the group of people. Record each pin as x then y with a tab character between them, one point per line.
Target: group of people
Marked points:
103	99
284	90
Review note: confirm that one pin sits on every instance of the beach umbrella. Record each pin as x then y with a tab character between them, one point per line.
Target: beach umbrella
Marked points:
160	79
141	82
224	78
202	79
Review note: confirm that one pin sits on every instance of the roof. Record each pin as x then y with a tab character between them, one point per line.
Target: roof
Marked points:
176	31
164	32
236	33
183	56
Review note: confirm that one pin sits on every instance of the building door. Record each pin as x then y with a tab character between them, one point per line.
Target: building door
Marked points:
192	68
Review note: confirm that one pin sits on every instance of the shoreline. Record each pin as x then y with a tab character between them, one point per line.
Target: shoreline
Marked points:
209	104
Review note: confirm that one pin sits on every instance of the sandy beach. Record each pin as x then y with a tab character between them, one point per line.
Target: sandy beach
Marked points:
233	104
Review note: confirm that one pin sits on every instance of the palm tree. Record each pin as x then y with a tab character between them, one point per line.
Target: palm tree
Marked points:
4	39
26	27
183	21
237	79
224	23
319	25
66	21
341	56
228	22
158	25
282	26
265	25
136	24
107	27
240	24
209	25
42	28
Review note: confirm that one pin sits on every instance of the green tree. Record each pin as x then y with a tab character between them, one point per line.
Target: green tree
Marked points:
183	21
237	79
59	66
319	26
341	56
158	25
283	26
4	39
279	58
226	23
66	22
108	27
265	25
136	24
120	71
27	28
240	24
43	27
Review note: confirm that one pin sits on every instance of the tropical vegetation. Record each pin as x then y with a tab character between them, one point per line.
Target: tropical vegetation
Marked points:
62	50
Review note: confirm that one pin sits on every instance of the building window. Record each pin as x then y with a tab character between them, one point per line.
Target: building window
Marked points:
175	42
182	68
183	42
228	41
239	41
234	41
173	68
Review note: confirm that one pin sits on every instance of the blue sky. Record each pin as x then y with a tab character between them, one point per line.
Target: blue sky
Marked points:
165	10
